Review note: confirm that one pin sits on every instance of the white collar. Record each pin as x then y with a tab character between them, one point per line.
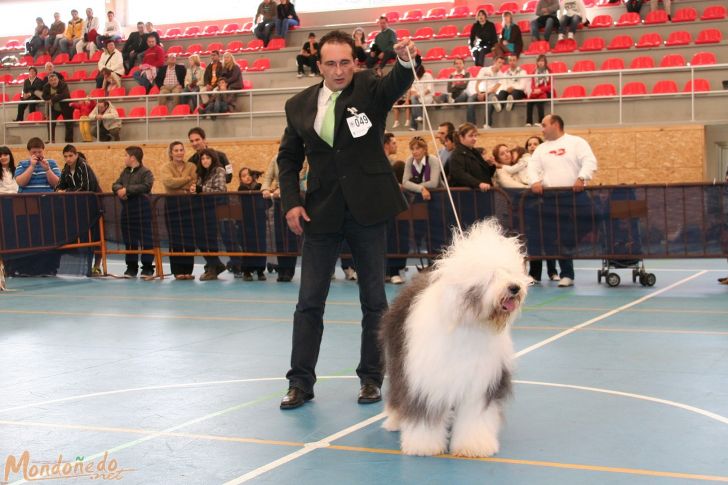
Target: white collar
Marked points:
326	92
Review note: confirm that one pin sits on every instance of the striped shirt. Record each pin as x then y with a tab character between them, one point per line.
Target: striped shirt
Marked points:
39	180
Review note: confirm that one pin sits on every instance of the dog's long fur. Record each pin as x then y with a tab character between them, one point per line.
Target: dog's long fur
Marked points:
448	348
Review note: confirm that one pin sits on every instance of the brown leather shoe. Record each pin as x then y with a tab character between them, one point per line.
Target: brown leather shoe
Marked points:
369	393
295	398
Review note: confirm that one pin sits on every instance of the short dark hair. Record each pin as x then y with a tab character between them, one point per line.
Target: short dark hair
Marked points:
450	136
35	142
312	34
559	121
450	127
388	137
110	12
502	58
140	23
215	52
337	37
136	152
383	17
197	130
31	68
69	149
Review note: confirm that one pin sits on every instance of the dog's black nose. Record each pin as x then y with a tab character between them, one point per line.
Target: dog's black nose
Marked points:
514	289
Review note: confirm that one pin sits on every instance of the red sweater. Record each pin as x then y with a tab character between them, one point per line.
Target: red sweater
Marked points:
154	56
545	89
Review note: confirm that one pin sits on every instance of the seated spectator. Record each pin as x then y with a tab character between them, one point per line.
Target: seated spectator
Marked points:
49	69
193	79
134	45
511	39
37	174
231	72
483	38
150	31
360	44
265	20
514	84
112	31
505	170
111	67
220	101
77	175
170	79
421	94
212	76
56	95
84	107
402	104
468	168
106	117
90	32
456	87
573	12
133	184
546	19
210	178
8	184
286	17
308	56
32	90
665	3
198	141
484	88
540	90
55	34
382	49
152	59
250	264
421	171
73	35
37	43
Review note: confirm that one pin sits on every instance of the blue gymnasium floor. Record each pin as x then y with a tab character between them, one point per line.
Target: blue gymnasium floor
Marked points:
180	382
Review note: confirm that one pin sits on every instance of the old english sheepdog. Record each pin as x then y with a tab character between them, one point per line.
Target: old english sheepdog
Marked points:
448	348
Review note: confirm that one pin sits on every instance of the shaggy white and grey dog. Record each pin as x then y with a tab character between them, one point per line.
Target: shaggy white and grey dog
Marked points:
448	349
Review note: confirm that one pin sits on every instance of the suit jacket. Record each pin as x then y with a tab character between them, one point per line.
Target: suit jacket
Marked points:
354	173
179	70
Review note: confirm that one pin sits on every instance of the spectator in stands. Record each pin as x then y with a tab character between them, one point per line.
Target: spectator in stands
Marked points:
665	3
37	43
231	72
265	20
220	101
55	34
421	94
484	88
84	107
73	35
37	174
248	264
510	37
32	90
77	175
112	31
177	177
308	56
90	32
722	281
402	104
546	19
8	184
421	171
56	95
212	75
446	150
198	141
360	44
109	122
170	79
152	59
111	67
448	142
150	31
395	244
134	45
483	37
563	160
132	186
572	13
382	49
504	176
286	17
456	87
468	168
193	78
540	90
514	83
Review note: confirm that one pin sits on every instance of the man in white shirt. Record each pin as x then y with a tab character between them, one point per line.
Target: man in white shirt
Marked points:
90	30
514	85
112	31
482	89
562	160
110	66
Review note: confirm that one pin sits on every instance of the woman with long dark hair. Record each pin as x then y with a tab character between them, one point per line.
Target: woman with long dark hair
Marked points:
8	185
540	91
468	168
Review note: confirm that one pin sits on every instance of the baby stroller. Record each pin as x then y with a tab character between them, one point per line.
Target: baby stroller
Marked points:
621	236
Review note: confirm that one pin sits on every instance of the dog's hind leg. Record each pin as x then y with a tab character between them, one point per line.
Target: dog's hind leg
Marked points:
475	429
392	421
424	437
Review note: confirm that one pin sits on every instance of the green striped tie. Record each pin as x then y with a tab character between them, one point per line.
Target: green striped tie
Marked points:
327	126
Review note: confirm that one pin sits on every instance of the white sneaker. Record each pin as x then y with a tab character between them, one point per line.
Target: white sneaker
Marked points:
418	119
299	75
554	277
570	35
565	282
396	280
527	125
310	74
538	124
509	104
396	124
561	37
496	102
350	274
486	126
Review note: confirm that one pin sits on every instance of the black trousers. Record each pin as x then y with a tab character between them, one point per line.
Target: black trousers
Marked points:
309	61
67	113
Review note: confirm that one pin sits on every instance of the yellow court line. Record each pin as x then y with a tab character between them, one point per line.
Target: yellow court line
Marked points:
383	451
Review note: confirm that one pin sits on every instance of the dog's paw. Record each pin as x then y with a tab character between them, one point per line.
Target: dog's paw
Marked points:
422	449
391	424
423	441
483	446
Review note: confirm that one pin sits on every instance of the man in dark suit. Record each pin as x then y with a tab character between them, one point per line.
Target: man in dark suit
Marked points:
135	44
351	194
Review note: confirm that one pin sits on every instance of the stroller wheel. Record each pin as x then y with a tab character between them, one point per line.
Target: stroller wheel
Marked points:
650	279
613	279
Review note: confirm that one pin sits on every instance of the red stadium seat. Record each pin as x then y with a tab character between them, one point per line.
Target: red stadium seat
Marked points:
261	64
672	60
21	77
412	16
191	31
138	112
574	91
656	17
117	92
634	88
612	64
437	13
592	44
537	47
445	72
235	46
79	58
138	91
210	30
246	28
459	12
97	93
93	74
247	84
13	44
159	110
686	14
61	58
703	59
121	111
697	85
76	114
525	26
508	7
35	116
649	40
27	60
459	52
195	49
466	31
402	33
6	78
131	72
180	110
714	12
488	7
679	37
230	28
172	33
242	64
529	6
275	44
42	59
434	54
642	62
601	21
621	42
666	86
213	46
584	65
426	33
392	17
175	49
154	90
709	36
254	45
96	56
557	67
606	89
78	94
446	32
474	70
531	68
628	19
79	75
564	46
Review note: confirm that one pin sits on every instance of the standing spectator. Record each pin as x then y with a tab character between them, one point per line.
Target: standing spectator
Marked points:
112	31
468	168
540	90
563	160
107	118
198	141
37	174
90	32
170	79
77	175
249	264
286	18
484	88
421	94
443	129
514	83
152	59
73	35
37	43
572	13
134	45
456	87
220	101
308	56
546	19
265	20
132	187
665	3
395	243
8	184
382	49
32	90
422	172
110	66
231	72
55	34
511	37
360	45
212	75
56	94
193	78
270	189
483	37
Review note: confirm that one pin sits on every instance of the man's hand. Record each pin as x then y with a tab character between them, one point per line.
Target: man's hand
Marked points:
404	48
33	161
579	185
484	187
293	218
44	164
537	188
266	194
121	193
276	193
